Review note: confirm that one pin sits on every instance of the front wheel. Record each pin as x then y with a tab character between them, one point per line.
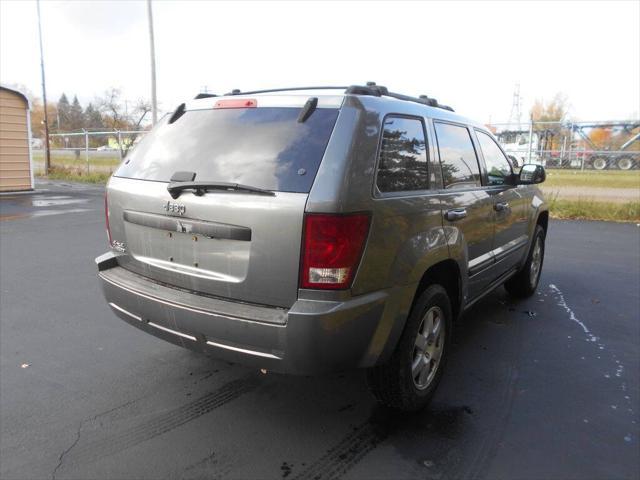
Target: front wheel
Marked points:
410	377
525	282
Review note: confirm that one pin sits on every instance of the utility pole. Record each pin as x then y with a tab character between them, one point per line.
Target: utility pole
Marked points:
530	139
152	50
47	150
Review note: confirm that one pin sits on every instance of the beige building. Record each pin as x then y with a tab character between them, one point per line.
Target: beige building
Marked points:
16	169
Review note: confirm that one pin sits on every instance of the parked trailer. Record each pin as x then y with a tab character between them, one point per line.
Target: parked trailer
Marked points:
622	159
577	150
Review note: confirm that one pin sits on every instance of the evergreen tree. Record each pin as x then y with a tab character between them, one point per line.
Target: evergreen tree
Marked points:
93	122
93	118
76	115
64	109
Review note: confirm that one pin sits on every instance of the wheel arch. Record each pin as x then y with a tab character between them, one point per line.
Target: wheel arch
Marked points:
445	273
543	220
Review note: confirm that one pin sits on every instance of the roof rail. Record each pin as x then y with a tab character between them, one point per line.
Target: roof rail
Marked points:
378	90
254	92
369	89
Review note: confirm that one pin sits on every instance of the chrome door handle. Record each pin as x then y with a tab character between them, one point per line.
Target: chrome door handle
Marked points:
455	214
501	206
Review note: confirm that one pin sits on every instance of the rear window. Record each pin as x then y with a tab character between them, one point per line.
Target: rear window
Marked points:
262	147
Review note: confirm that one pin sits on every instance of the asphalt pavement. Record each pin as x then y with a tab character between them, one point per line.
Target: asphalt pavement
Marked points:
543	388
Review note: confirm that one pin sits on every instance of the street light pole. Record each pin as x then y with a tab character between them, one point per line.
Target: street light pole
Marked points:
152	50
47	150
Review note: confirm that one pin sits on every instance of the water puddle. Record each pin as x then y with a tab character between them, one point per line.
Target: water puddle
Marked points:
38	205
53	201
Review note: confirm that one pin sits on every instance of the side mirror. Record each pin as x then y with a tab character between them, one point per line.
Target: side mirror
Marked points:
531	173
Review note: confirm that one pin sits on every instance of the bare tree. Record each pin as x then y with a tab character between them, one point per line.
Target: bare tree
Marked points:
140	111
117	115
112	108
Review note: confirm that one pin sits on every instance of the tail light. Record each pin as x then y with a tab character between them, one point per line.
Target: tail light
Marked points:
331	250
106	217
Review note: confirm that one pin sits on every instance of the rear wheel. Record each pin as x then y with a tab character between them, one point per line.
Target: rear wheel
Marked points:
625	163
408	381
525	282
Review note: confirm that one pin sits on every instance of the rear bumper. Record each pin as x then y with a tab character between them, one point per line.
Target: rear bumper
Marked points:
313	336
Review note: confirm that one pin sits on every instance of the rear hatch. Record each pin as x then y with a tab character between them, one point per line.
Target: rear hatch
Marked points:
222	239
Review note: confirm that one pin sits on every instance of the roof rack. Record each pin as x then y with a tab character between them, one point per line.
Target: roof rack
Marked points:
378	90
369	89
254	92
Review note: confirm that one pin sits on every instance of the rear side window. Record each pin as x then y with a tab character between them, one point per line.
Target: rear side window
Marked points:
498	168
261	147
403	156
458	158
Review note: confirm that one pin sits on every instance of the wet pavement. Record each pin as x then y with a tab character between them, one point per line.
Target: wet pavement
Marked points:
55	198
542	388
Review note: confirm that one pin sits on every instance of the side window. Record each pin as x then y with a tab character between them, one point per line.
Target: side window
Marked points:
498	168
458	158
403	156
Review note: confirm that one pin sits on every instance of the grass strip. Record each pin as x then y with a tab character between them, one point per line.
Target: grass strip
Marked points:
76	175
587	209
605	179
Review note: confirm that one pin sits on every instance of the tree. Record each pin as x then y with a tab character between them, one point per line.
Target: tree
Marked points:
76	115
554	111
37	116
117	115
557	110
63	112
116	112
93	122
93	118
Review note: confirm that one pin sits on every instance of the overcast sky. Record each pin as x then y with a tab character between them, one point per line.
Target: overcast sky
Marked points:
468	55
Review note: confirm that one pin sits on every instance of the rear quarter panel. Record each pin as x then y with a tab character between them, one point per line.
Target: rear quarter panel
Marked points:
406	235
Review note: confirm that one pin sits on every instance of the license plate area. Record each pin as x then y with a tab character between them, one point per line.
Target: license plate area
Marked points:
188	253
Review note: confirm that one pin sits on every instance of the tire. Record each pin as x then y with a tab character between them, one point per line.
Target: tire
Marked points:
394	383
625	163
524	283
599	163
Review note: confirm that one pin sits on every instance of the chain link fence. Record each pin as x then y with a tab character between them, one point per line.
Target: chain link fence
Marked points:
86	152
602	145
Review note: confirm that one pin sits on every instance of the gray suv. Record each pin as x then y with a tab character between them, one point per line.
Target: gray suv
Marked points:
312	230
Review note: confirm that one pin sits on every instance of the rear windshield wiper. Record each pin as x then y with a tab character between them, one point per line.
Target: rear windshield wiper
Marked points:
200	188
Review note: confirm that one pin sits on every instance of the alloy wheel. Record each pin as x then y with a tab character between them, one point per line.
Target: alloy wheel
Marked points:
428	347
536	262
